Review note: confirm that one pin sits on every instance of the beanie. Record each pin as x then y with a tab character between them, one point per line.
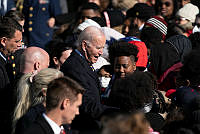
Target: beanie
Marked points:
124	4
158	23
188	11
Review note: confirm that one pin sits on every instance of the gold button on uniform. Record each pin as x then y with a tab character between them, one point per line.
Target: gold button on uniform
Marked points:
47	34
43	9
13	65
31	8
30	22
21	7
30	15
30	29
14	72
12	57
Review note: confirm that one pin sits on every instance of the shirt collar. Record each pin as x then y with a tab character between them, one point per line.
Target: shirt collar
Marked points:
2	56
54	126
79	53
141	27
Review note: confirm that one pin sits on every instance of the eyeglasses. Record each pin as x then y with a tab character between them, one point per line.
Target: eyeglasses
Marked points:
181	19
167	4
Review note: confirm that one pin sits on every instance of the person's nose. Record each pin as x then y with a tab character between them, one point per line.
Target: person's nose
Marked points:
77	112
126	29
20	44
121	69
101	51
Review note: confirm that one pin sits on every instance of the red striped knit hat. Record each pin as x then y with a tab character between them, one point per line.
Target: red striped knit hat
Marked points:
158	23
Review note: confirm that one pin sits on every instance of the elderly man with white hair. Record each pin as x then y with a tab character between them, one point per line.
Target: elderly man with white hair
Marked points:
79	67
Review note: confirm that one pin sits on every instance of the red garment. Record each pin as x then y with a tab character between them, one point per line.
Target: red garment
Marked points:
188	32
168	78
142	53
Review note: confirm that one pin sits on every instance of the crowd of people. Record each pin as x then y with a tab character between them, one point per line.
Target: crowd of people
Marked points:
100	66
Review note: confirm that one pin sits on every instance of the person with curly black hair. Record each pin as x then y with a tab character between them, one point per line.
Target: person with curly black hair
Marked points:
132	93
123	58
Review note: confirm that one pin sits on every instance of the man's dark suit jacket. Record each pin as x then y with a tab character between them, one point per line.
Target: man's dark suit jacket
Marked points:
5	97
40	126
4	80
77	68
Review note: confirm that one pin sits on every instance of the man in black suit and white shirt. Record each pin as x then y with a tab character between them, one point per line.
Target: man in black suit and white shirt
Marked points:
78	66
63	98
10	41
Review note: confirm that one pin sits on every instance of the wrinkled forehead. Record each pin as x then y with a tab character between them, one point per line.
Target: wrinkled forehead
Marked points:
99	40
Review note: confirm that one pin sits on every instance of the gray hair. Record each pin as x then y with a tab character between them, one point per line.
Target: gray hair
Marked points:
89	34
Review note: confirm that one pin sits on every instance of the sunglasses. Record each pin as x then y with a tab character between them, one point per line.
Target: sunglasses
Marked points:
167	4
180	19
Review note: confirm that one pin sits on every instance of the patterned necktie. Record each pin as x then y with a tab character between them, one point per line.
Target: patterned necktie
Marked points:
62	130
92	68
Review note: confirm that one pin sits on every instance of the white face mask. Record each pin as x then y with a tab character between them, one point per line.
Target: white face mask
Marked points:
104	81
195	29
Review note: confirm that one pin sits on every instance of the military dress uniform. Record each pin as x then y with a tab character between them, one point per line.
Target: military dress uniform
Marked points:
6	5
37	13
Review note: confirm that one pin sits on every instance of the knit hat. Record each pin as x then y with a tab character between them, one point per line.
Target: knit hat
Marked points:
188	11
124	4
158	23
141	11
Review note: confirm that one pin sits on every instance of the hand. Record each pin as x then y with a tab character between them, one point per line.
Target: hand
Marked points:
51	22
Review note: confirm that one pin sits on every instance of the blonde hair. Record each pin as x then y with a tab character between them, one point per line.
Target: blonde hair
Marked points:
30	91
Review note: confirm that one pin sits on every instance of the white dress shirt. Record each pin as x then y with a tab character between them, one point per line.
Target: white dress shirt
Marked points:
54	126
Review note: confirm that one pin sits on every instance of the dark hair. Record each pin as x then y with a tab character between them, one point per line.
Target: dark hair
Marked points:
132	93
133	30
151	36
8	27
191	68
91	5
55	49
122	48
60	89
195	40
99	20
107	68
175	5
16	15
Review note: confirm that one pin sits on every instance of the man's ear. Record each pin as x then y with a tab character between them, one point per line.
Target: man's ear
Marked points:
84	45
55	60
36	65
3	41
44	91
65	104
